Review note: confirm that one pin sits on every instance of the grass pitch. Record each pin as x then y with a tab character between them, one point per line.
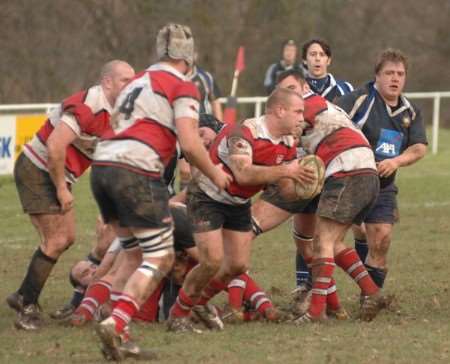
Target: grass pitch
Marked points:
416	332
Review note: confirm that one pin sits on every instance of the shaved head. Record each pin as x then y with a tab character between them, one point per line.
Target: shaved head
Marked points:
281	97
114	75
111	68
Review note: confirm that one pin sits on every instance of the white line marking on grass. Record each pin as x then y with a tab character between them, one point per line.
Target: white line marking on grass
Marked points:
425	175
429	205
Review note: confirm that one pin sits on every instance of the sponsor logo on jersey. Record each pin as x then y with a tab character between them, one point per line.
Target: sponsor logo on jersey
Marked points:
389	143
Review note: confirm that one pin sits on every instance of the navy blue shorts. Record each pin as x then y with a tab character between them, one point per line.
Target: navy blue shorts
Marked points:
385	209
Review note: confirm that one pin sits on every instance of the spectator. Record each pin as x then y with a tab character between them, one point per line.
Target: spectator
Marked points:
316	55
287	62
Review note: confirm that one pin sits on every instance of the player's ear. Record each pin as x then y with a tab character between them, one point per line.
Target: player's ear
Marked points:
107	82
280	110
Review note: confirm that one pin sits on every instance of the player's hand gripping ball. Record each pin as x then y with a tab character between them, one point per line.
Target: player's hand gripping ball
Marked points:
309	191
291	190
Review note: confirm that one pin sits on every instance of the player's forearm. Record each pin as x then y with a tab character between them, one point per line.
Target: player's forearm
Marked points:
56	165
411	155
197	155
259	175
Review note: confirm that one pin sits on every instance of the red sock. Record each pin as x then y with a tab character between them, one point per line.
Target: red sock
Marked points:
236	291
182	306
114	298
256	296
149	309
124	311
333	301
349	261
96	295
214	287
322	274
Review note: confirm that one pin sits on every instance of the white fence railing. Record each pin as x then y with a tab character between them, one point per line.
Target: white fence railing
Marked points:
258	101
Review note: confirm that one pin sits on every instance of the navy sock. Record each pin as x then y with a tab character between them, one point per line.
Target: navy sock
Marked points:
362	249
38	271
378	275
170	294
93	259
77	297
302	272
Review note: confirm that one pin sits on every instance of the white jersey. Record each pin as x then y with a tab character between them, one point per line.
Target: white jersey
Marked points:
144	136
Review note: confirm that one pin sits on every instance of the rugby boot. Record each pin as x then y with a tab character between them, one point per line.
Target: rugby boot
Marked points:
29	319
110	338
181	324
275	315
372	305
231	315
78	319
306	319
15	301
301	300
208	315
63	313
131	350
340	314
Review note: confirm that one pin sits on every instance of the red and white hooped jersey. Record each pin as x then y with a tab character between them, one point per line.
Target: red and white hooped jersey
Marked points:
335	139
87	113
265	150
144	136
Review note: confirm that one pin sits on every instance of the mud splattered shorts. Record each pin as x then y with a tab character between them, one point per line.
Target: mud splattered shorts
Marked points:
133	199
36	190
206	214
348	199
271	195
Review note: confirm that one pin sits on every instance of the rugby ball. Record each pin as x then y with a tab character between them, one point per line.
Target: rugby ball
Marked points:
311	190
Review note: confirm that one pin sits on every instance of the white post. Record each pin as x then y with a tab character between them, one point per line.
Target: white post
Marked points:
258	109
435	130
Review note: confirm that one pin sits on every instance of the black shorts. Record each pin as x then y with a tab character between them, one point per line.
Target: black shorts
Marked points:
385	209
271	195
348	199
133	199
182	233
36	190
207	214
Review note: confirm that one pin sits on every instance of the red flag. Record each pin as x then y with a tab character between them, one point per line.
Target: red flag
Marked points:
230	112
240	60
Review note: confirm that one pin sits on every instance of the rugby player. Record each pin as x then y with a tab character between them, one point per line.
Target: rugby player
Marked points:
396	133
46	169
253	153
349	165
155	113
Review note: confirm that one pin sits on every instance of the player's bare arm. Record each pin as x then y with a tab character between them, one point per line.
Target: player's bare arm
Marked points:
194	151
410	156
246	173
57	143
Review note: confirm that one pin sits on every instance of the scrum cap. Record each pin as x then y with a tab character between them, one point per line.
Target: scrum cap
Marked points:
210	121
176	42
